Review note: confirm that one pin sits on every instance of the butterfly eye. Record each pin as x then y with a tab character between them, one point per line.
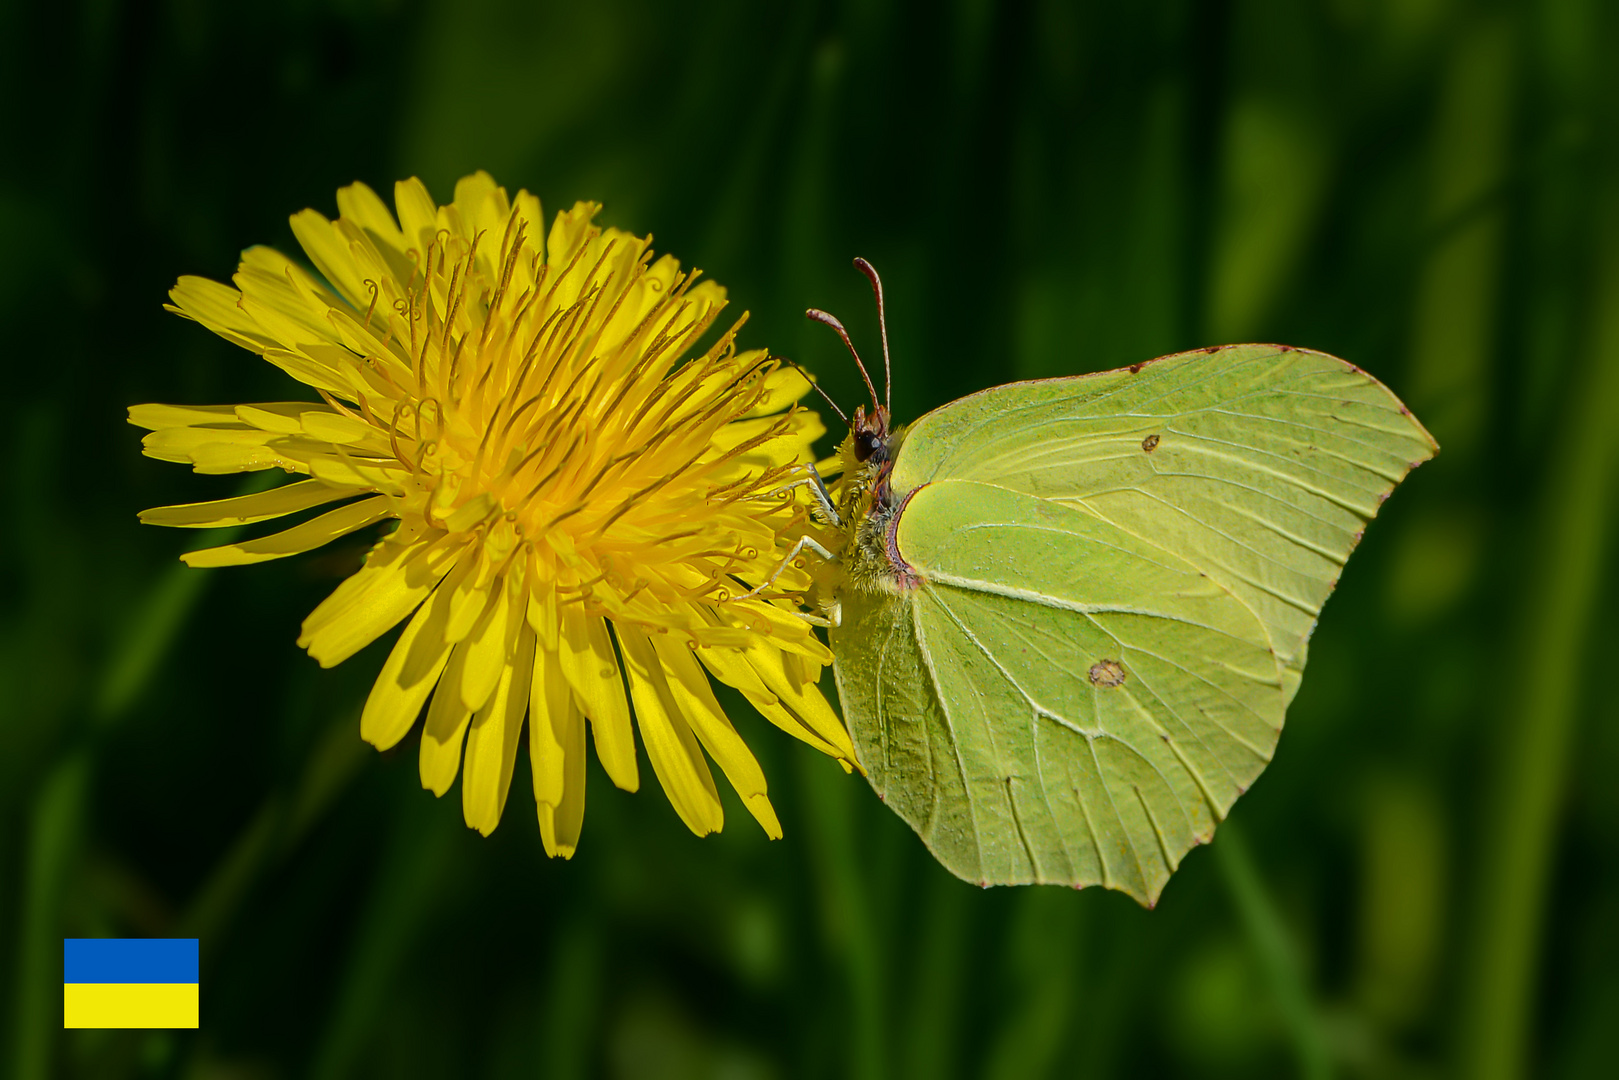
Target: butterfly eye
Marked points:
865	444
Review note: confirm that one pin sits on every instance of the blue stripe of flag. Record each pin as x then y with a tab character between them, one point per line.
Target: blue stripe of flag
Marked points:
129	960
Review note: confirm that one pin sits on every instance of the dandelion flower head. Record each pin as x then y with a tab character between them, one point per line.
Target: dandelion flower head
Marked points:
581	509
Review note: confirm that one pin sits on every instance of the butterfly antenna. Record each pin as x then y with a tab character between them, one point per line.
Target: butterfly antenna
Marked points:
815	386
820	316
882	324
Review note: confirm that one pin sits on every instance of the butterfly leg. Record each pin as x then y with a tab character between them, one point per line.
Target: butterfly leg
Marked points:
823	497
803	542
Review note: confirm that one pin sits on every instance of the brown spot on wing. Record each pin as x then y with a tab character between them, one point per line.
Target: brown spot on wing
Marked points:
1107	674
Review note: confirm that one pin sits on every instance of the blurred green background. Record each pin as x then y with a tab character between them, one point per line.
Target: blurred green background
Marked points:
1424	883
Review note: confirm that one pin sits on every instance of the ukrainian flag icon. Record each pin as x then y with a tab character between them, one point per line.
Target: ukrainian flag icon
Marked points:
129	983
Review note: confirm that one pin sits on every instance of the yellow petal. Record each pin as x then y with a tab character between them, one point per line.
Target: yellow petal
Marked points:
300	538
784	630
247	509
418	217
351	472
469	598
805	423
371	338
168	416
311	372
285	282
489	649
801	697
282	417
483	208
568	231
182	443
359	204
445	729
765	814
527	208
591	668
783	386
286	302
219	459
792	444
670	745
327	249
471	512
557	753
395	578
549	696
334	427
430	649
492	740
218	307
730	667
542	613
694	699
402	688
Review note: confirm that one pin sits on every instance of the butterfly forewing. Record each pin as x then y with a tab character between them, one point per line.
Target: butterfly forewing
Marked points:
1258	464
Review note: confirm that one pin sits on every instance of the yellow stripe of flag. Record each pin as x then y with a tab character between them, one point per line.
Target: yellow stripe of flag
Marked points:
130	1005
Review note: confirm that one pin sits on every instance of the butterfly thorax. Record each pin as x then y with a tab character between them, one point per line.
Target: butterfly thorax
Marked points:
869	506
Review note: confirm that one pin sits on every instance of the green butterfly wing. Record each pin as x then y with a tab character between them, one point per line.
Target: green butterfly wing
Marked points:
992	735
1116	579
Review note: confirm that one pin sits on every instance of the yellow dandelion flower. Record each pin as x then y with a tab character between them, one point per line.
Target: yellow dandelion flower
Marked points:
577	508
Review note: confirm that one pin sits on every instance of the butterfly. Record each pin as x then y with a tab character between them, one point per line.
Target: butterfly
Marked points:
1068	615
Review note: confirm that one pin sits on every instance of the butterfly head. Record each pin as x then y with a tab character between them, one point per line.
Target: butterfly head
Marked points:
870	434
868	507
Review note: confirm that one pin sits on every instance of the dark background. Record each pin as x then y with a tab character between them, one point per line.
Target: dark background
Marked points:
1422	885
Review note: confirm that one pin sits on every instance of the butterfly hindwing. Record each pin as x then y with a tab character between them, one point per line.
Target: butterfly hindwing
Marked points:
1092	705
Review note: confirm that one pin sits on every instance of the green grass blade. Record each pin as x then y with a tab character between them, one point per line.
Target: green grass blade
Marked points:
1566	566
407	888
54	840
158	620
847	911
1269	937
